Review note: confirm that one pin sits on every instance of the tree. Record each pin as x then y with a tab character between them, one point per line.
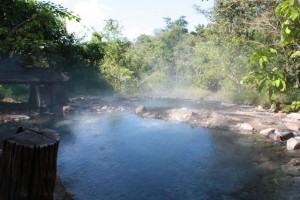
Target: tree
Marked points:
114	66
275	67
92	51
35	32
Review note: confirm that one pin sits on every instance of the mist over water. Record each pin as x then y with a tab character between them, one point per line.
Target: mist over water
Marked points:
121	156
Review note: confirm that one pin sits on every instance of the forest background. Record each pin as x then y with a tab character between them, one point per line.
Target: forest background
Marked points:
249	53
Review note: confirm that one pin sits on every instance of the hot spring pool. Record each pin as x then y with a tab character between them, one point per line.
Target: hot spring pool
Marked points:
118	156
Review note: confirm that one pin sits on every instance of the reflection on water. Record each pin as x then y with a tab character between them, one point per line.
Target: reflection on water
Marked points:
121	156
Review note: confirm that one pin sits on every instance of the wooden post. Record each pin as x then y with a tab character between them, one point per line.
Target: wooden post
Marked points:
28	165
34	96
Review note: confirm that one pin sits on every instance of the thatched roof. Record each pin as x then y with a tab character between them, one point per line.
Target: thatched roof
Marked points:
14	73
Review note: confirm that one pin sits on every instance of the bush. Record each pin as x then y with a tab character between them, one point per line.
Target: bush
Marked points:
4	92
245	95
86	80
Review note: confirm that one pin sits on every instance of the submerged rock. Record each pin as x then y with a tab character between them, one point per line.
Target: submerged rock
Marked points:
292	167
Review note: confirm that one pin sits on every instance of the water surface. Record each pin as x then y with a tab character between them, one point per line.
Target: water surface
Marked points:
118	156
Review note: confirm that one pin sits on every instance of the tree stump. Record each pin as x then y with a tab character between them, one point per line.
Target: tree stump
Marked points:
28	165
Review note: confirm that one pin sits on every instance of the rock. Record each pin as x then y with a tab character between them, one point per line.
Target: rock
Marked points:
293	143
260	108
292	121
246	127
8	118
180	115
215	120
267	132
227	104
292	125
281	135
280	114
296	133
285	135
140	109
8	100
66	109
275	107
293	116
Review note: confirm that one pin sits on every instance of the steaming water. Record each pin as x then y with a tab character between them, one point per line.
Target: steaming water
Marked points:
177	103
118	156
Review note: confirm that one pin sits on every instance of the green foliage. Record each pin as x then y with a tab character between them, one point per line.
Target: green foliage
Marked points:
293	107
18	92
278	70
265	74
114	63
86	80
92	52
4	92
289	10
246	42
35	32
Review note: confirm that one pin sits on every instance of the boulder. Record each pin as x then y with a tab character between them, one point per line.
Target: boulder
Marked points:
140	109
285	135
281	135
180	115
267	132
293	116
292	125
215	120
293	143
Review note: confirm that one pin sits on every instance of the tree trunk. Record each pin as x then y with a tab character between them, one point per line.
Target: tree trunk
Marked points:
28	166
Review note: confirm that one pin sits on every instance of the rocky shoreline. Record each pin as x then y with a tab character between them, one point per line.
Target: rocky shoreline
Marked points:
279	129
235	118
276	128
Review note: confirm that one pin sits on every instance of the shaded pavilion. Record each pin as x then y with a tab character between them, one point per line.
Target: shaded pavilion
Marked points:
46	85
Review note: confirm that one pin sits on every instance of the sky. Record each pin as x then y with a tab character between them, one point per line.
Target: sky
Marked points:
135	16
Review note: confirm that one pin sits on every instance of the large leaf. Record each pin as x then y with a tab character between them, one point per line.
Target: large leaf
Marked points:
277	83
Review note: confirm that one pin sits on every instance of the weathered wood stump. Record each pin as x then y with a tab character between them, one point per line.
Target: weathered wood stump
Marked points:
28	165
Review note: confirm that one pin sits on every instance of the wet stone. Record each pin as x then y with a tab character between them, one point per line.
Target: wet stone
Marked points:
140	109
293	143
267	132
